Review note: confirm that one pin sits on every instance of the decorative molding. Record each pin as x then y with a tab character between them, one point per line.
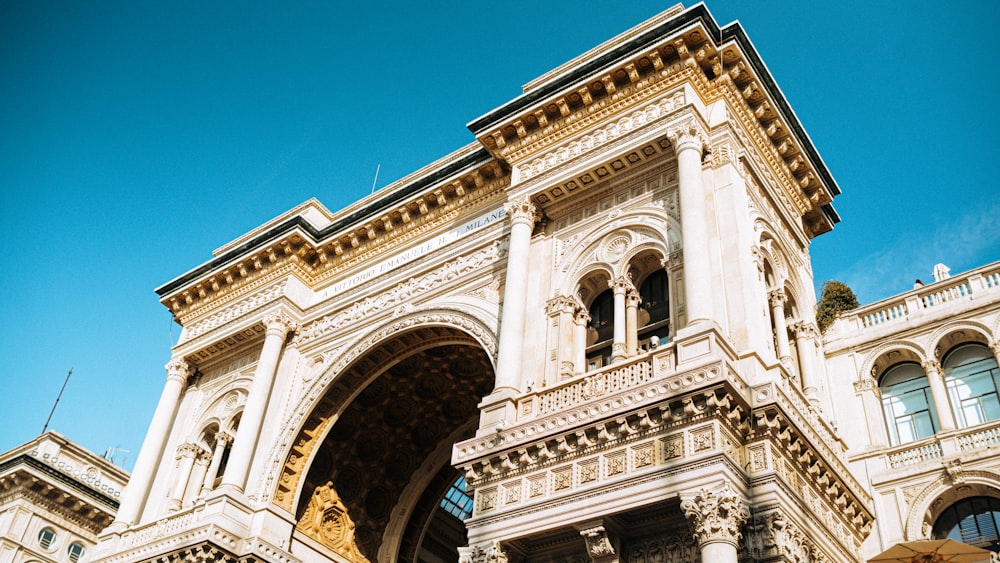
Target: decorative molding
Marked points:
716	516
326	520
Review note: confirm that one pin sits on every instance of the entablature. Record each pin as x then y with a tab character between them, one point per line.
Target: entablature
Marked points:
401	212
680	52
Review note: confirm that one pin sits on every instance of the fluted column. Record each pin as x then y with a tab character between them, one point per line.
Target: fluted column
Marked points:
185	454
632	301
717	518
178	372
221	440
777	300
694	225
580	320
278	326
942	405
805	341
522	219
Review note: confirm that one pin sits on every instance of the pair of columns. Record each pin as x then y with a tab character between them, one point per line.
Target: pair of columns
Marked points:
689	147
278	325
197	471
717	518
806	335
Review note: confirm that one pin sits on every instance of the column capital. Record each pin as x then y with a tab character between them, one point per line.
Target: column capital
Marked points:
776	297
582	316
805	329
561	304
278	322
931	366
179	368
223	438
599	546
188	450
621	285
490	553
632	298
717	516
688	136
521	211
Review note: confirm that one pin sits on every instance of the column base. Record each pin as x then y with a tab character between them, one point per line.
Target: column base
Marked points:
497	411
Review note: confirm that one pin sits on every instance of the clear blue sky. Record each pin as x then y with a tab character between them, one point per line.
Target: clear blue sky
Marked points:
136	137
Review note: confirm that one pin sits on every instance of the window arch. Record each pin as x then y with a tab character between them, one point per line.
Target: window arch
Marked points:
972	378
973	520
907	403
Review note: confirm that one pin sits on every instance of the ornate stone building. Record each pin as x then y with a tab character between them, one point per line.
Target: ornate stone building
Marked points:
587	336
55	498
913	385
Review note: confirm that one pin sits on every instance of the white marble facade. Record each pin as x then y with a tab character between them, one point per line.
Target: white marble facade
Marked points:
587	336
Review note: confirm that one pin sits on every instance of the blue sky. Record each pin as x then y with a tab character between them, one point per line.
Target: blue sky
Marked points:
136	137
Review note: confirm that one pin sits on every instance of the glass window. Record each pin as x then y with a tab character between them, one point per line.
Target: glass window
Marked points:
75	552
907	404
456	502
973	520
654	314
46	538
972	377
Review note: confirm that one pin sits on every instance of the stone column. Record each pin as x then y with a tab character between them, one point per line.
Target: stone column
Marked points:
805	341
193	491
561	310
717	519
632	301
939	393
580	320
867	390
185	454
221	440
694	224
777	300
488	553
278	326
620	287
178	372
522	220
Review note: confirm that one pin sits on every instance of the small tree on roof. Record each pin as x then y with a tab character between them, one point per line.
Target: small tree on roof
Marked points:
836	298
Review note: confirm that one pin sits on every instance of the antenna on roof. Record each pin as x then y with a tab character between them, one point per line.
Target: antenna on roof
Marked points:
377	168
47	420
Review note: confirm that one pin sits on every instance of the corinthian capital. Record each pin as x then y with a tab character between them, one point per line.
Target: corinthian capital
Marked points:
520	210
279	322
803	329
716	516
621	285
180	369
931	367
776	297
687	136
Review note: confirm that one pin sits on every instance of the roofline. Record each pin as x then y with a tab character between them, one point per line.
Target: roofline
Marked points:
695	14
478	157
29	461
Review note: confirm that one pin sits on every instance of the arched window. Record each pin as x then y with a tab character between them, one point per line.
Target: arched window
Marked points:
601	330
973	520
971	373
654	314
906	401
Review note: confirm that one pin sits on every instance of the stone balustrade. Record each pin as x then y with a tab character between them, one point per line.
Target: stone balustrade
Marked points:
943	444
975	284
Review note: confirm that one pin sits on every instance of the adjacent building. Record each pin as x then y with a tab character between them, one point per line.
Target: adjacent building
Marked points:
587	336
55	498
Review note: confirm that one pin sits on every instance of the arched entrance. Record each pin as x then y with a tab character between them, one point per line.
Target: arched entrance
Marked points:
383	468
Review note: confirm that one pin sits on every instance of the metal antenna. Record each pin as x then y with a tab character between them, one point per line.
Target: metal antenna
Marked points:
377	168
46	427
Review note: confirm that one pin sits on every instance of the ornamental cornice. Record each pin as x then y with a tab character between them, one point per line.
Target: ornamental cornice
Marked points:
600	137
298	252
401	293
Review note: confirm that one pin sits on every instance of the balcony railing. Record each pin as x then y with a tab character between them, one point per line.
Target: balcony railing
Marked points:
977	283
944	444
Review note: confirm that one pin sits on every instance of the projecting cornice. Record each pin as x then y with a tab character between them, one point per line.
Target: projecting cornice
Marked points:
676	48
294	244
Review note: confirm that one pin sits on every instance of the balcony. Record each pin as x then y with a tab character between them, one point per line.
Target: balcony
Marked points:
981	439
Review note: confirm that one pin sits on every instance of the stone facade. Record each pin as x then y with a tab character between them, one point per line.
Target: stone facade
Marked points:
597	321
55	498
